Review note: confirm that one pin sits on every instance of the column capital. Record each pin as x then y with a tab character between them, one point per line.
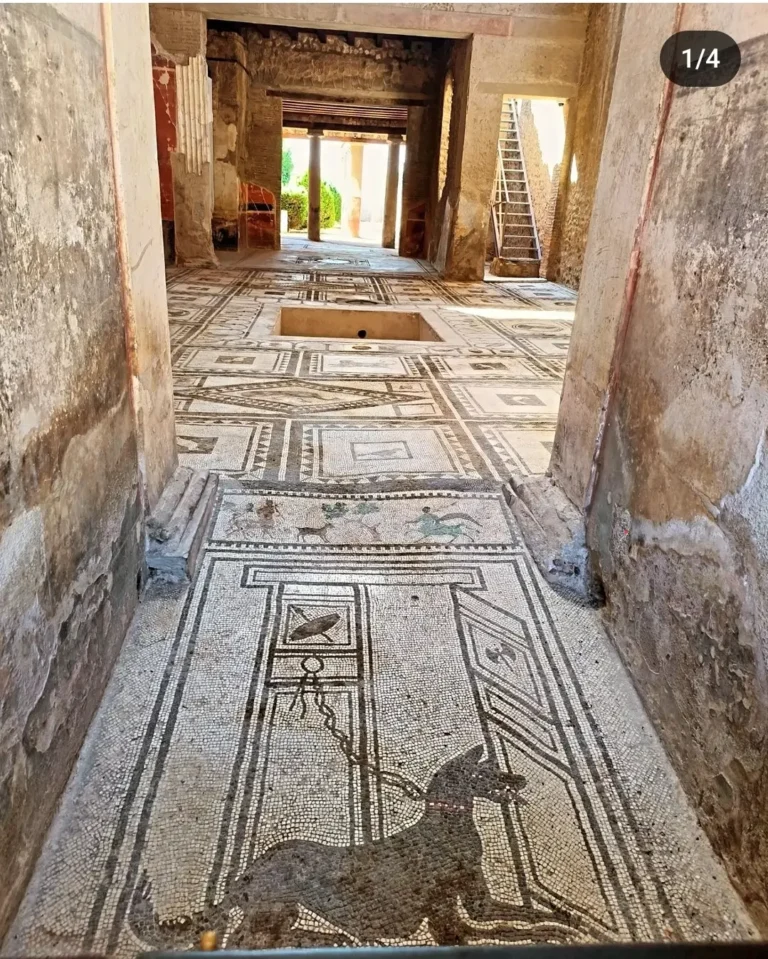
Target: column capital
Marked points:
395	138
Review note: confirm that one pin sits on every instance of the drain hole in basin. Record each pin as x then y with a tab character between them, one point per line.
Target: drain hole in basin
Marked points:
362	334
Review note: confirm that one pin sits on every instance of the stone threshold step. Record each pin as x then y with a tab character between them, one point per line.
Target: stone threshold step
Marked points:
177	527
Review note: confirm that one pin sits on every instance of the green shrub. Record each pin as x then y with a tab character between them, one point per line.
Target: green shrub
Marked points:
327	207
330	202
296	203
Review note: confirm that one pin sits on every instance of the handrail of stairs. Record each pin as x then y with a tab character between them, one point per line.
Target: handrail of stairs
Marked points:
501	189
513	103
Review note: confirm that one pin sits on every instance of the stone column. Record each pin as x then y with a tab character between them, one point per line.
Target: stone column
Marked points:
468	227
227	66
182	34
354	188
419	180
474	137
313	221
259	170
390	197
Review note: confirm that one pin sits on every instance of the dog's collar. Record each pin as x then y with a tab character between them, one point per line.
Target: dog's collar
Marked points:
444	806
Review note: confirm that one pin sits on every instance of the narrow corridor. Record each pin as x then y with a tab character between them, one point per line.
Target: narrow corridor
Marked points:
369	720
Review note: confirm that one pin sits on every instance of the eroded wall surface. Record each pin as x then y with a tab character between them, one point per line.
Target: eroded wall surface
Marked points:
679	520
587	118
334	67
70	524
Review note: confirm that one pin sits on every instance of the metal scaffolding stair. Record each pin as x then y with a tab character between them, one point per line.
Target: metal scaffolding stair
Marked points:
514	225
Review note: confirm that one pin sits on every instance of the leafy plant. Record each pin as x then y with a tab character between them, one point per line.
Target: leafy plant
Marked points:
296	204
330	512
330	202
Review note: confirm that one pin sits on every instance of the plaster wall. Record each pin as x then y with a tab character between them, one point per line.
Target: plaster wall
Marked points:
492	67
630	132
456	20
70	521
678	525
472	153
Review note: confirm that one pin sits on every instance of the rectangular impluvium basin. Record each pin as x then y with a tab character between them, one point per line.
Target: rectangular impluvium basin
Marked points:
331	321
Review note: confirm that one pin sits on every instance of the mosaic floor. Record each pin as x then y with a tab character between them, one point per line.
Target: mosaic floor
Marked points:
333	252
369	720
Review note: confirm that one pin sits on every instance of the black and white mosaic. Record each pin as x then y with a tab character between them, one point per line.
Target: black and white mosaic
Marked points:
368	720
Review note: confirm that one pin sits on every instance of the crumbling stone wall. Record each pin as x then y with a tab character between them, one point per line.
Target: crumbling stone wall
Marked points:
677	492
70	519
587	116
334	67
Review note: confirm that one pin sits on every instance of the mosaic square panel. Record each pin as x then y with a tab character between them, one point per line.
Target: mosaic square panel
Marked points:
358	454
547	345
350	364
483	367
512	400
222	447
522	451
236	361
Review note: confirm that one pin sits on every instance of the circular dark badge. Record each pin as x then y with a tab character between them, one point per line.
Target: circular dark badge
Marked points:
700	58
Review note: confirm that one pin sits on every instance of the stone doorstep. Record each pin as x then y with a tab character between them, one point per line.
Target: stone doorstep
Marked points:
177	527
515	268
553	530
